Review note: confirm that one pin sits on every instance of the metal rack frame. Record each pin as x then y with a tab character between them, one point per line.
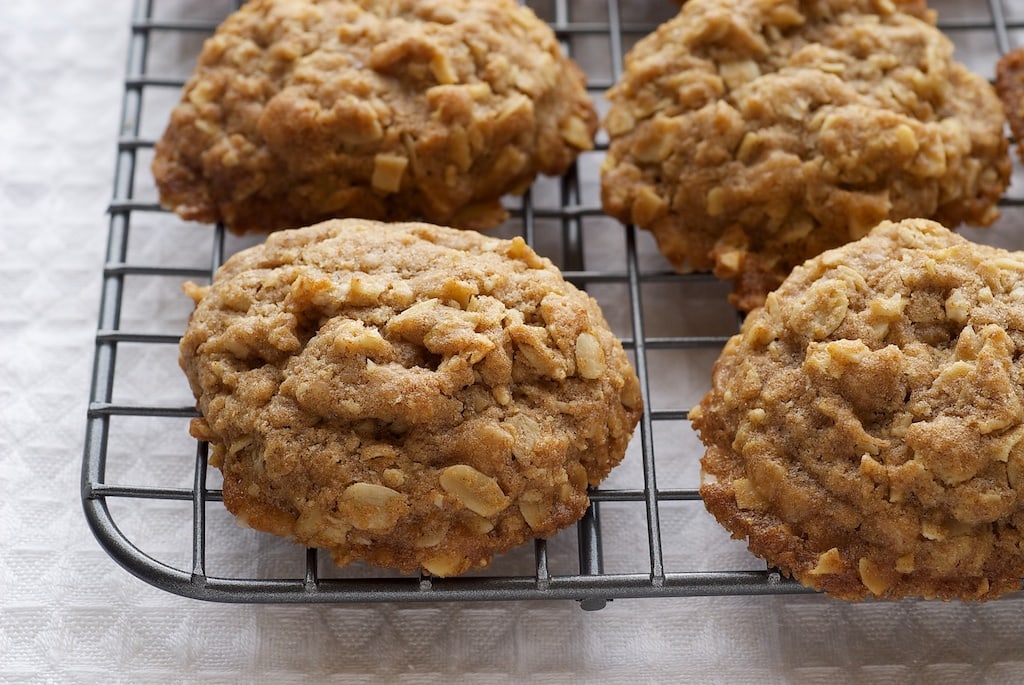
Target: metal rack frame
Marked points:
591	586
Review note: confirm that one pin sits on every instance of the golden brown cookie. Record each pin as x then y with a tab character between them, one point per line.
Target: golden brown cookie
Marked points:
749	136
304	110
1010	87
865	430
405	394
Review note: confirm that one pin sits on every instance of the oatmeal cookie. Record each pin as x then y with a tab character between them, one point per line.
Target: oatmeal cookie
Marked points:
405	394
751	135
865	430
1010	86
305	110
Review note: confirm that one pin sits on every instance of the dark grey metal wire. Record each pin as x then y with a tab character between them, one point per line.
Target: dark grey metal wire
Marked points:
591	586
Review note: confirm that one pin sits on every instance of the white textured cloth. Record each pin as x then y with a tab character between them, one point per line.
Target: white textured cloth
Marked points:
69	614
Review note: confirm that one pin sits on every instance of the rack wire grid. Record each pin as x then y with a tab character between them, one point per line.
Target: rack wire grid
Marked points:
155	507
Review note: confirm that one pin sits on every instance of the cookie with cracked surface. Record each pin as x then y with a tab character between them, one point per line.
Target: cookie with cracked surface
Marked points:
865	429
405	394
305	110
751	136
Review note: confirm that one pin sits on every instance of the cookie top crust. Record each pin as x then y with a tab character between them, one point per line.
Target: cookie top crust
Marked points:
865	429
405	394
749	136
304	110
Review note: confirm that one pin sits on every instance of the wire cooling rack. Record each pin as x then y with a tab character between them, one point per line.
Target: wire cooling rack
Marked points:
154	505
